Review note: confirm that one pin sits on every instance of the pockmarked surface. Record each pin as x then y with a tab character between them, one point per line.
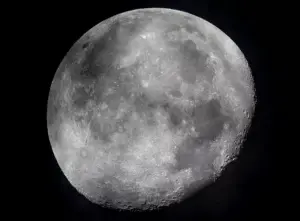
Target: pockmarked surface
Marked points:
147	107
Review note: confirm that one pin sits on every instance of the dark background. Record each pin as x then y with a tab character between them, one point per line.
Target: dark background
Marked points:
247	188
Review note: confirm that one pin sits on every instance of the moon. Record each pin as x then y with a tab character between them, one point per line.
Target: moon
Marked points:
148	107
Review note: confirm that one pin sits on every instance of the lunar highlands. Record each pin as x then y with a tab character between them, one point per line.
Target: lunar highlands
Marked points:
148	107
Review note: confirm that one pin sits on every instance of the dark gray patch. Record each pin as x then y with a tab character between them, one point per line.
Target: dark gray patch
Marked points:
86	45
99	54
193	61
99	58
184	156
176	93
80	98
176	116
165	106
92	66
187	158
113	101
152	105
209	120
141	103
100	131
144	107
193	55
191	29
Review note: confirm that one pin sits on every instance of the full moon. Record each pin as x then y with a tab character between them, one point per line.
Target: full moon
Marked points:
148	107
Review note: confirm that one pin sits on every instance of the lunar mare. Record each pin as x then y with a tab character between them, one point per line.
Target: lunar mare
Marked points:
147	107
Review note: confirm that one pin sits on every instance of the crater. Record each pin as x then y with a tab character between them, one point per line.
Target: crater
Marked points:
86	45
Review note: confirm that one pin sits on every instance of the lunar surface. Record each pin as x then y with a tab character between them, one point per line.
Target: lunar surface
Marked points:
148	107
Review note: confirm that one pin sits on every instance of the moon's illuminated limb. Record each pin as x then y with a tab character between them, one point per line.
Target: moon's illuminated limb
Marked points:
204	96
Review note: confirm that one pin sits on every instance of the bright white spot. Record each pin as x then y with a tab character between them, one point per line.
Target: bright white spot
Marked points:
149	35
145	83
